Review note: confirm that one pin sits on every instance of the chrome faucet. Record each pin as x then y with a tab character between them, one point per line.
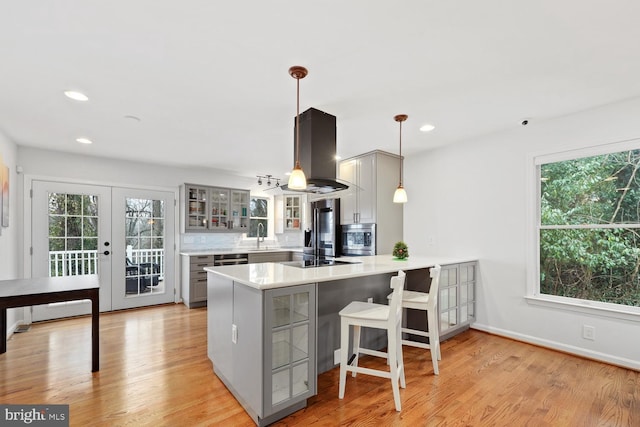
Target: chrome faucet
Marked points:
260	225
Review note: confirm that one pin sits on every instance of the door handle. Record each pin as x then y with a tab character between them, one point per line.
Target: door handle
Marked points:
106	252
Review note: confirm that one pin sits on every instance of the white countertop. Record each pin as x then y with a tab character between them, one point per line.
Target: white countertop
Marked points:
271	275
238	251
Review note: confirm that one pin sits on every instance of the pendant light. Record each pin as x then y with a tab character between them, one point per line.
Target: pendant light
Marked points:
297	180
400	196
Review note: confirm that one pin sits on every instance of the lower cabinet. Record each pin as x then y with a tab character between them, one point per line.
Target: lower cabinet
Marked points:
256	257
457	297
266	357
194	279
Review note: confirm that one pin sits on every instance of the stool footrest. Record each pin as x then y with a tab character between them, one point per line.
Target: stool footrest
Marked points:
370	352
415	332
368	371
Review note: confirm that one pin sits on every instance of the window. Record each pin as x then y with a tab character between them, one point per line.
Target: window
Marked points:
259	208
589	227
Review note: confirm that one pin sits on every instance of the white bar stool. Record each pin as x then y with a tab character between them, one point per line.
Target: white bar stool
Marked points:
429	303
378	316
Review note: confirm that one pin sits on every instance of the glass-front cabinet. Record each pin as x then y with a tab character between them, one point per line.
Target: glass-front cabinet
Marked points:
457	297
216	209
290	366
196	208
292	213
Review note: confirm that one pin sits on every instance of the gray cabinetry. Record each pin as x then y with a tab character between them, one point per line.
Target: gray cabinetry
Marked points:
215	209
269	257
194	279
456	306
262	345
369	199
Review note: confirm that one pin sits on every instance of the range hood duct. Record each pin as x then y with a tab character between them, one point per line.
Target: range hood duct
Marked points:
317	152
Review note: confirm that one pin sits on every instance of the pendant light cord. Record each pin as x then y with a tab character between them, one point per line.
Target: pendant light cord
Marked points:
297	122
401	162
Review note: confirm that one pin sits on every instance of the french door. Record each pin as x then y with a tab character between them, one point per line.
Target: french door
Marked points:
126	236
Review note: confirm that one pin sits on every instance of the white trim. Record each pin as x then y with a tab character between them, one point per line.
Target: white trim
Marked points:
558	346
27	186
596	308
593	150
533	189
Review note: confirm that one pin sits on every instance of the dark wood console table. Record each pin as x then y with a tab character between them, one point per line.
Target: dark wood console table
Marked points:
46	290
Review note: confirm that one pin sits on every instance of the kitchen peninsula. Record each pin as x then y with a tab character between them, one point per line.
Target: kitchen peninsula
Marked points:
273	327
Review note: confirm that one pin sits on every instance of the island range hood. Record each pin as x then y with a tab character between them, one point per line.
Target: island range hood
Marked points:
317	152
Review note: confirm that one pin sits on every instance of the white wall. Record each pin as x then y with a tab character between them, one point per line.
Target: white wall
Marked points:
9	235
471	199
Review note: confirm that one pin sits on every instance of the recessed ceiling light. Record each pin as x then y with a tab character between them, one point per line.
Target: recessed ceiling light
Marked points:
77	96
427	127
84	140
338	157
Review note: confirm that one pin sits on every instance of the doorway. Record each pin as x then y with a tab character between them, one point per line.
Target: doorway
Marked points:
124	235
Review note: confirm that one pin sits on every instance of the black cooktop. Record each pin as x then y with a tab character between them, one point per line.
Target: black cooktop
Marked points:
319	262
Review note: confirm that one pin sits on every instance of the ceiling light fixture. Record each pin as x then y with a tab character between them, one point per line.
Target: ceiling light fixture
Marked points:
427	127
84	140
400	196
270	179
76	96
297	180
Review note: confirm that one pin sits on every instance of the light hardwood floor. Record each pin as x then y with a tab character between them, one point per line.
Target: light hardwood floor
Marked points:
154	370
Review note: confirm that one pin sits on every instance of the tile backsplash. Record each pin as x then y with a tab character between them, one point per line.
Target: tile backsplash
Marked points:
205	241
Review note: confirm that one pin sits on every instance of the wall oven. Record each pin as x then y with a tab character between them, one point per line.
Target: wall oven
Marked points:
359	239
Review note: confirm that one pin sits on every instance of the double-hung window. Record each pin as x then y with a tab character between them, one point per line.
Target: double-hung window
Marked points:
259	208
588	226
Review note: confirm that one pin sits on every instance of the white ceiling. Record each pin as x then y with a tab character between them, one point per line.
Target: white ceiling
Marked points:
209	79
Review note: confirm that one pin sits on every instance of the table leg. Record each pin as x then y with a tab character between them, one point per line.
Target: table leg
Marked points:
95	332
3	327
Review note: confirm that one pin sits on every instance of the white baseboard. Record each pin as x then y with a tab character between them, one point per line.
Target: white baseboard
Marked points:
554	345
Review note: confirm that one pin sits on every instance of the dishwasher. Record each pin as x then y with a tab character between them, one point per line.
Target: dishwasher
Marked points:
230	259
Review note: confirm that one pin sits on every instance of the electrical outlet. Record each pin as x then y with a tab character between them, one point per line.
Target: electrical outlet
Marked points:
589	332
370	299
234	334
336	357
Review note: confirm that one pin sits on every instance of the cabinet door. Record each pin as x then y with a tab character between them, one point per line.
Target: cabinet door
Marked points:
239	210
218	209
348	171
448	303
367	191
290	365
467	291
196	199
292	213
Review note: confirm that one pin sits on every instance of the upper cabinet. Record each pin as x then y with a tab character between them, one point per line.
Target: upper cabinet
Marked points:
215	209
357	204
373	178
289	213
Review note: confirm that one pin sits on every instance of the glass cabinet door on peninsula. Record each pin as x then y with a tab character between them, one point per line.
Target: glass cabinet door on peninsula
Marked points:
457	297
289	365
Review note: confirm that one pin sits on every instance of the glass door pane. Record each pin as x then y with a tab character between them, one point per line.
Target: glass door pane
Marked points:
143	247
144	236
71	236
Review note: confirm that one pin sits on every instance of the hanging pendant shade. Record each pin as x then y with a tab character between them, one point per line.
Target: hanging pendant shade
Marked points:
400	196
297	180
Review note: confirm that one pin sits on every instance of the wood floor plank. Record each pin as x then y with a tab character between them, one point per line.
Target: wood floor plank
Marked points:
155	372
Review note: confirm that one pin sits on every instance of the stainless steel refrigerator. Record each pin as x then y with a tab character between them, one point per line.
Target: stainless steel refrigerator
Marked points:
323	239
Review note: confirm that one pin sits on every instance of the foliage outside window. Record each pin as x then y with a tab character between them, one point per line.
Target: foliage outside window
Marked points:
589	228
258	207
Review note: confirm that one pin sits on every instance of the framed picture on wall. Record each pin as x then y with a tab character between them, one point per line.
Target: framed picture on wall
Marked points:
5	195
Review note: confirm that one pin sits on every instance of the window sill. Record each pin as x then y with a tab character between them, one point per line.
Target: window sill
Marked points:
595	308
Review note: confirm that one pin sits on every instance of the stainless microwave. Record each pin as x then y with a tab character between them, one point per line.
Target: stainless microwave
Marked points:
359	239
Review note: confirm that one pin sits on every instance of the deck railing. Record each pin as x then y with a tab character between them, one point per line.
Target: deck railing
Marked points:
73	263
